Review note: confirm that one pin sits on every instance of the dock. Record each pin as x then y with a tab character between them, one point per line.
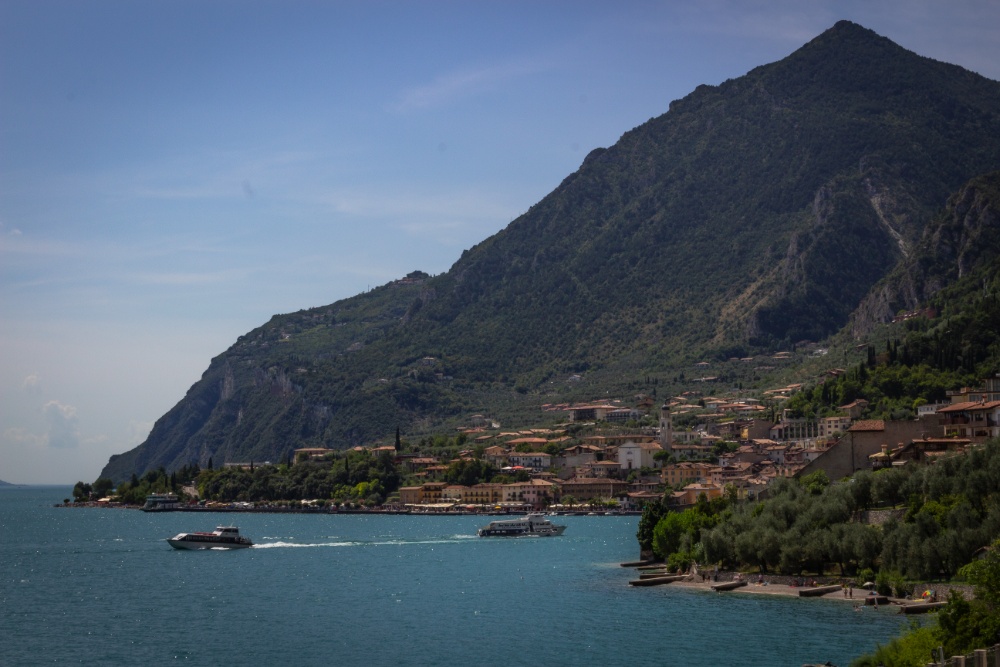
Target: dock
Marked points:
728	586
819	591
920	607
656	580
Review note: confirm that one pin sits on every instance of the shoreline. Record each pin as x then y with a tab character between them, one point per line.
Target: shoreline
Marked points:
771	589
861	601
327	510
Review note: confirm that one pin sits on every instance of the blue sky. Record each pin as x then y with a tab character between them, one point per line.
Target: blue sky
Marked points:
174	173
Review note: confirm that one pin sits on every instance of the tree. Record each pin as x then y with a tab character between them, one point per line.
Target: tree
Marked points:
81	491
103	486
816	482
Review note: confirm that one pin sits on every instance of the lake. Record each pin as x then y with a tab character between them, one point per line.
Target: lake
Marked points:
102	586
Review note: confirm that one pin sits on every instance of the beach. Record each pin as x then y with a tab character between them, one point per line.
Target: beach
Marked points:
773	589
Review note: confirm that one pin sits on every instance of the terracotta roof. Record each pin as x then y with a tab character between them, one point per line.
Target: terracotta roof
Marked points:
972	405
868	425
944	441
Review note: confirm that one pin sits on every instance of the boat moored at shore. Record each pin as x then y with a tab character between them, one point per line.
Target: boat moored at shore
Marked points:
223	537
161	502
533	525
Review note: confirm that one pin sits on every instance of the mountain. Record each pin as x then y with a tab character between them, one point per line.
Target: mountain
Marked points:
752	215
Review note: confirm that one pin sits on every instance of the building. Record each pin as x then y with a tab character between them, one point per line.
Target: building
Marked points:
622	415
677	475
602	469
534	460
666	427
411	495
864	438
310	453
538	493
977	421
691	451
589	488
829	426
484	494
578	455
579	413
418	464
455	493
633	455
496	456
689	494
434	492
990	391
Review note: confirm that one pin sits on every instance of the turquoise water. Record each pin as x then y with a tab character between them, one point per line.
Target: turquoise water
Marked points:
101	586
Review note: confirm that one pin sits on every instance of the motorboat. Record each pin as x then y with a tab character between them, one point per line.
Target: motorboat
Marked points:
223	537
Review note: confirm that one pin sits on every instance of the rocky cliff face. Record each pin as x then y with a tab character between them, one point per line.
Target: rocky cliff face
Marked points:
961	239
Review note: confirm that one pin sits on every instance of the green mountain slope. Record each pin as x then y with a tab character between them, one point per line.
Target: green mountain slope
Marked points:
751	215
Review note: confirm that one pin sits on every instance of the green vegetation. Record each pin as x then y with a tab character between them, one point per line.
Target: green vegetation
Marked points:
952	350
134	491
962	626
677	535
83	492
354	477
812	526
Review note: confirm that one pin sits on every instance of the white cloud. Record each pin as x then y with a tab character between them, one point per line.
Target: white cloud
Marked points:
31	384
463	83
24	437
14	231
63	430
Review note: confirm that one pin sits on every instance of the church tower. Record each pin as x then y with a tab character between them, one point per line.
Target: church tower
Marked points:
666	428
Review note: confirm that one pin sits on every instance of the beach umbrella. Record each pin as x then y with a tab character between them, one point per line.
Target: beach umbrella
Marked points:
868	584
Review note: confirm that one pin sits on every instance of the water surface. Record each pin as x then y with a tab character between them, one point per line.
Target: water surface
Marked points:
102	586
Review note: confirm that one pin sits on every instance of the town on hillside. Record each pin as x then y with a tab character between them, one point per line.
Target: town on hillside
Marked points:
734	448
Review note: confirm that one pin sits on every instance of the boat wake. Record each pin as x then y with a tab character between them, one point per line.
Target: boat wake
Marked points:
299	545
453	539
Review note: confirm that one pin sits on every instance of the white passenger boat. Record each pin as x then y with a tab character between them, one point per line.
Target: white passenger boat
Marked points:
534	525
161	502
223	537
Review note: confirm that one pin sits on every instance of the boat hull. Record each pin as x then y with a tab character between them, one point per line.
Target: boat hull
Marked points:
224	537
196	545
486	532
